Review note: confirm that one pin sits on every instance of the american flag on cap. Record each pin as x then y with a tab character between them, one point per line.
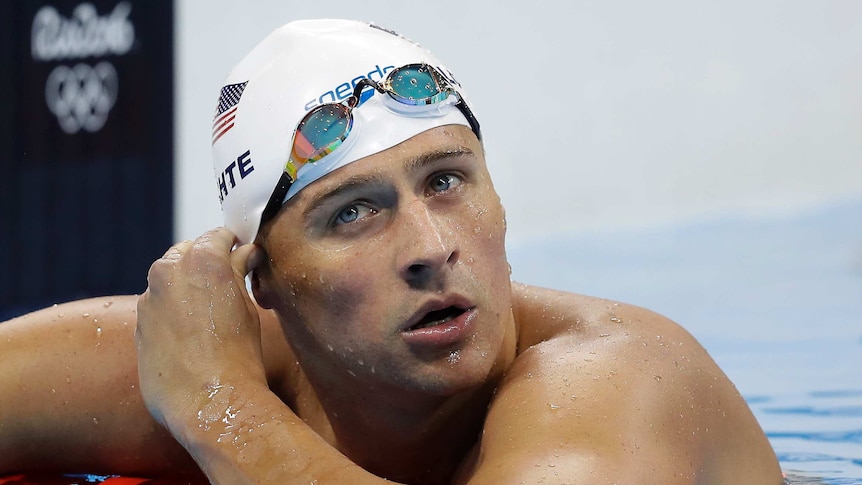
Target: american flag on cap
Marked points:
226	110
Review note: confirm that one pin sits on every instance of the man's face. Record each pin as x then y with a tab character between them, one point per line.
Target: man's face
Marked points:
391	272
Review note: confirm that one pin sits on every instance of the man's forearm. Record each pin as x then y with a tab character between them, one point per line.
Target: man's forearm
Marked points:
246	435
69	396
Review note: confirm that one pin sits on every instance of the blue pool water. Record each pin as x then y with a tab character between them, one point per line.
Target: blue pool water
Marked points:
776	300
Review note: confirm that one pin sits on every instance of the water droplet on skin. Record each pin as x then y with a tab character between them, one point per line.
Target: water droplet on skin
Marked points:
107	304
95	420
553	406
454	357
86	315
657	378
68	380
616	319
98	331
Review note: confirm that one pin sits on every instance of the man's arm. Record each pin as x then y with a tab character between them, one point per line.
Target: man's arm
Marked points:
69	396
202	375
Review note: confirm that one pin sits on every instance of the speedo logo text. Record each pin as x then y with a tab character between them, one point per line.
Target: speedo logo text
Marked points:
345	89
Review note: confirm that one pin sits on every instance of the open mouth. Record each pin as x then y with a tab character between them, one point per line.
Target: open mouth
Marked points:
437	317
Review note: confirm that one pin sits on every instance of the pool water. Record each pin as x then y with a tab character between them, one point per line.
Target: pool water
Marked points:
775	299
816	434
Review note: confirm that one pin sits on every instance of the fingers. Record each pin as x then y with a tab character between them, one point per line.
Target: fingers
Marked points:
245	258
216	243
219	240
189	257
176	251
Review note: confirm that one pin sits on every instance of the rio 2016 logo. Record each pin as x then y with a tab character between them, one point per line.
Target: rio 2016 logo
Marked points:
81	96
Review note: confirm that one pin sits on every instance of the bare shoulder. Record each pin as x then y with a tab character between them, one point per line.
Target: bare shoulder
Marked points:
544	314
603	392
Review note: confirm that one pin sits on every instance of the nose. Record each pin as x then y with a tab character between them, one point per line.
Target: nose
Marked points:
429	245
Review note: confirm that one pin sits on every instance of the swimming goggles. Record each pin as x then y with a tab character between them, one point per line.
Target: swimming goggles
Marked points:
415	88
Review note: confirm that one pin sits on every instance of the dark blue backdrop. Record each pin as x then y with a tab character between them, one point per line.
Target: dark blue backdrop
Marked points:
86	147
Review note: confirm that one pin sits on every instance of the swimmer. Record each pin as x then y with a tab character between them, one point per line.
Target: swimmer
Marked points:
382	338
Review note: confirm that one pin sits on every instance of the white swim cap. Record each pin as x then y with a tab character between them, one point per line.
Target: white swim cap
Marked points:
299	66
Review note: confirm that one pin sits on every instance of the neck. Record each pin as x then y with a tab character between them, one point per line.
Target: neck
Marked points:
403	435
421	443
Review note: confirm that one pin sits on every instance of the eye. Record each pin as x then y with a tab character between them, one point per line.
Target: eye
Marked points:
444	182
353	213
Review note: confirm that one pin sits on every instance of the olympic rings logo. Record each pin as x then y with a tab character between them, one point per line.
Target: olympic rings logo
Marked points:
82	96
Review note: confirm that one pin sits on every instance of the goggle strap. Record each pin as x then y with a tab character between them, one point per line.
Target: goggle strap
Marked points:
474	123
277	198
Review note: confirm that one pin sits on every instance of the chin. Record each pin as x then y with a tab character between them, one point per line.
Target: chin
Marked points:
461	371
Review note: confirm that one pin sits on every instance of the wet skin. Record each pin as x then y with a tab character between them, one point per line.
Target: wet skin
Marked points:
359	259
395	341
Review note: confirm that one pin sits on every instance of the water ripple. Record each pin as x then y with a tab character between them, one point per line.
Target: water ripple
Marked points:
816	435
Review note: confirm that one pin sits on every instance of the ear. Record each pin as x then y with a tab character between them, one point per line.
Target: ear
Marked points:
261	286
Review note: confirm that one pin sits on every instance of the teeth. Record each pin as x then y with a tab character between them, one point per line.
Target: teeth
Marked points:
438	317
434	322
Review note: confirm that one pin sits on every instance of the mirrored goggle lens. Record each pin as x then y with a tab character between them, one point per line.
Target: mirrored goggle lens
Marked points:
321	132
416	85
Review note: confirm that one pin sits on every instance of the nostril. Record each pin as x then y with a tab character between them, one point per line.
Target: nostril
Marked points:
417	275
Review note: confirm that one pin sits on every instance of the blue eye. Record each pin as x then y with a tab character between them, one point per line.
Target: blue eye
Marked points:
352	213
442	183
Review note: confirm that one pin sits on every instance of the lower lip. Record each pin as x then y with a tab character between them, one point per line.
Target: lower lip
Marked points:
444	334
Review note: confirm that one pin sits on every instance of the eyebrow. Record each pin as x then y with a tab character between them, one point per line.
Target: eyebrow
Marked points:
421	161
412	165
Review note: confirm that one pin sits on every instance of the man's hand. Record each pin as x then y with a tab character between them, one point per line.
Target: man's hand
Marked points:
198	331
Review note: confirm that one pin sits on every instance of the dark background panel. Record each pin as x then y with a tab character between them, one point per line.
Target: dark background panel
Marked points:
83	210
